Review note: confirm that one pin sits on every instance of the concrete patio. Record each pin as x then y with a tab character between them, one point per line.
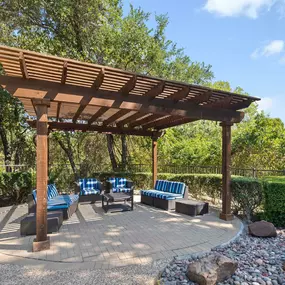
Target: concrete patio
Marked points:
94	239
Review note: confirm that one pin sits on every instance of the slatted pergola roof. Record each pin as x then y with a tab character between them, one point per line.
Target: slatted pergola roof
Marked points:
89	97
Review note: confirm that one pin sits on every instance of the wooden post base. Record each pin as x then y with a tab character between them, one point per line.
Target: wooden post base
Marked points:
41	245
226	217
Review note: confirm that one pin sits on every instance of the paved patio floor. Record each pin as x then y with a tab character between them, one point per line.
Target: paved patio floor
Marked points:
93	239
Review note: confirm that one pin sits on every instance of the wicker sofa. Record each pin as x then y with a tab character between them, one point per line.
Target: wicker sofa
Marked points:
89	190
164	194
66	203
119	184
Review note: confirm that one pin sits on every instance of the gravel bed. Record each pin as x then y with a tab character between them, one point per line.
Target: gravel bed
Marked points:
130	275
261	262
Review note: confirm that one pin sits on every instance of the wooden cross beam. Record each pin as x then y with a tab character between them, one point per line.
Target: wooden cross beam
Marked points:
23	66
131	118
204	97
85	100
183	93
146	120
130	85
98	114
64	73
66	126
155	91
175	123
116	116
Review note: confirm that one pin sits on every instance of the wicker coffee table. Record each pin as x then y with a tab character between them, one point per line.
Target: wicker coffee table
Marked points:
191	207
117	197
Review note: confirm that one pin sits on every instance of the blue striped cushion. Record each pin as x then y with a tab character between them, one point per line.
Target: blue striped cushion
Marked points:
51	191
85	191
161	194
170	186
89	186
118	182
121	189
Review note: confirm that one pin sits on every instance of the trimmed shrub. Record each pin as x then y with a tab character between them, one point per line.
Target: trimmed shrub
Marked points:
15	186
274	201
247	194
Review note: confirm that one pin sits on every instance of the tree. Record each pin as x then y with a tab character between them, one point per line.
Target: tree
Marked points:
96	31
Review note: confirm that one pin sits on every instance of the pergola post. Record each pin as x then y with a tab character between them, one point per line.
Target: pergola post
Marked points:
226	172
41	241
154	160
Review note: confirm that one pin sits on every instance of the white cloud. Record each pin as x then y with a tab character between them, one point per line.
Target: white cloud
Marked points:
274	47
230	8
265	104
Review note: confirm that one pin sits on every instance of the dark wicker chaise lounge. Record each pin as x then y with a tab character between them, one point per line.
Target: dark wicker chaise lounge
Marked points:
164	194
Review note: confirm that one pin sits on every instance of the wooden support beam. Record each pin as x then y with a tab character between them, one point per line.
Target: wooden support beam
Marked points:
42	241
130	85
154	160
130	119
183	93
146	120
58	111
23	66
204	97
226	172
98	114
155	91
64	126
86	99
64	73
116	116
44	89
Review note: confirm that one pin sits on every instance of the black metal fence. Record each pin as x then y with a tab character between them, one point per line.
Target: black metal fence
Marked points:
168	168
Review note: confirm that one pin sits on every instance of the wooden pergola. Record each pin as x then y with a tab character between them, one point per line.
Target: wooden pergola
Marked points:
64	94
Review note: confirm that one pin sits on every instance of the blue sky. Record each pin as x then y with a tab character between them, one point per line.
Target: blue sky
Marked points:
244	41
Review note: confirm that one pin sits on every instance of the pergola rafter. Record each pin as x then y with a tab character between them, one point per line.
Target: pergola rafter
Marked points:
64	94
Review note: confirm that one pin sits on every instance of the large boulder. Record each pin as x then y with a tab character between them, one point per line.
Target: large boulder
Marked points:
262	229
211	269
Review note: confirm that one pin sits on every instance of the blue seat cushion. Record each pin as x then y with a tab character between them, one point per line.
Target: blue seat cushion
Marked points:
87	191
64	199
121	189
161	194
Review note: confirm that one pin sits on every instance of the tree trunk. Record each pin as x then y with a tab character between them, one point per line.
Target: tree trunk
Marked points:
110	145
68	151
124	152
6	146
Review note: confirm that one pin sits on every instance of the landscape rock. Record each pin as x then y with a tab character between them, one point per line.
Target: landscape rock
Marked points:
262	229
211	269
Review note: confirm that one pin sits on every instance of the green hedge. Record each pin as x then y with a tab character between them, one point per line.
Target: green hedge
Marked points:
274	200
15	186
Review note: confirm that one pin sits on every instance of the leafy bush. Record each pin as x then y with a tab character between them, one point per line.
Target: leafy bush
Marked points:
274	201
247	195
15	186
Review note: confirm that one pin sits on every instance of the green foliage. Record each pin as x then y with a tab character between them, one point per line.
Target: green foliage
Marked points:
16	186
274	201
247	195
